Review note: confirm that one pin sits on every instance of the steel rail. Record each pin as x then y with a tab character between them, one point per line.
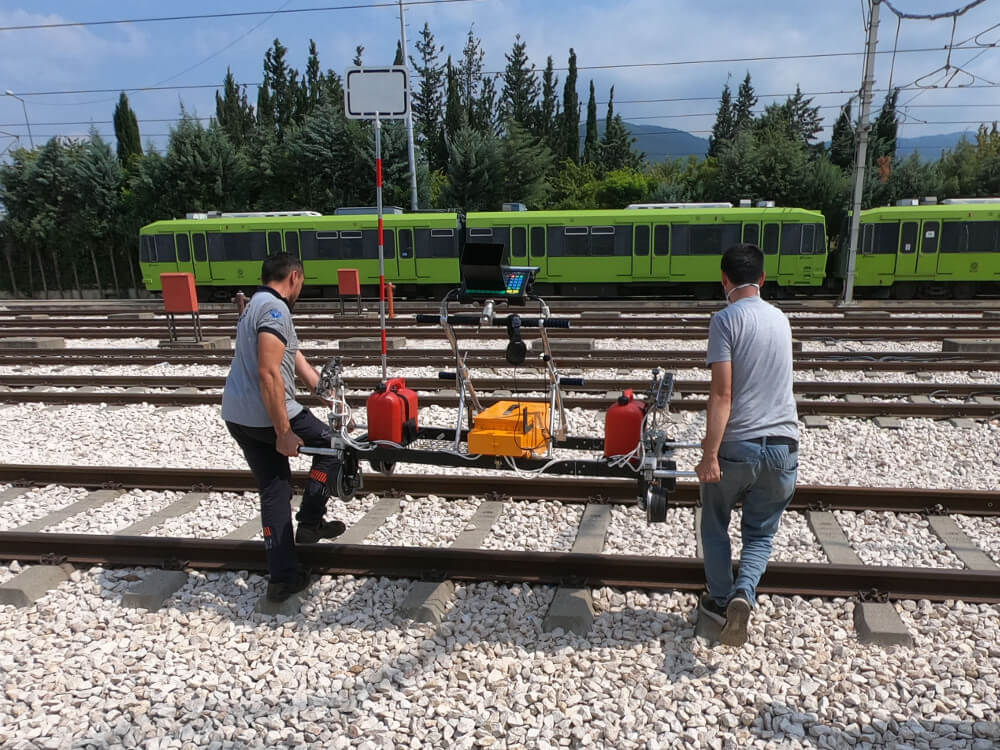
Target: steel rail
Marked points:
443	563
804	406
688	332
563	489
595	385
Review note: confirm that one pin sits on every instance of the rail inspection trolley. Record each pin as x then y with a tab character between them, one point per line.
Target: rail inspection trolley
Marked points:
513	434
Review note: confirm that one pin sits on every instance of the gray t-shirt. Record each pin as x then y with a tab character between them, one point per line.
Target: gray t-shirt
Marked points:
241	399
757	338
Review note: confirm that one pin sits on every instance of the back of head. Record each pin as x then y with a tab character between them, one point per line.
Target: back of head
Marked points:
743	264
278	267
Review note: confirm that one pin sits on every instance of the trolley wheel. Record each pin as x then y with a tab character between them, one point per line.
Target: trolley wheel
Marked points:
383	467
346	485
656	505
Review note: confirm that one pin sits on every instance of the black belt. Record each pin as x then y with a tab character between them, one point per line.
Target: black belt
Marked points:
792	443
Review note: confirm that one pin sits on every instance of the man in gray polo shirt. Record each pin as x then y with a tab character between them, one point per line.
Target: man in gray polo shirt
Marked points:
750	451
262	414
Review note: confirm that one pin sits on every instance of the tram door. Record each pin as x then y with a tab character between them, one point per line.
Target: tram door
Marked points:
928	256
199	257
906	259
405	257
642	258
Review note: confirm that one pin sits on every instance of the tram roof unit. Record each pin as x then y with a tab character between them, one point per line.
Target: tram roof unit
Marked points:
307	221
952	208
715	214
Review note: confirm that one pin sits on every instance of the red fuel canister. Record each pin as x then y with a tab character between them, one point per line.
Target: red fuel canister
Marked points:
392	412
623	425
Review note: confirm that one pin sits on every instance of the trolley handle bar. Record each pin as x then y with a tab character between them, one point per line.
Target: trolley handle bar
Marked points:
572	381
444	375
476	320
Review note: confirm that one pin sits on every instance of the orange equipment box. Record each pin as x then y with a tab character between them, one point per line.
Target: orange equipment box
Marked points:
511	428
179	295
348	282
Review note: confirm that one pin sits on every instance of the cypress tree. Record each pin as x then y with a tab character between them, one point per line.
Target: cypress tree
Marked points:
885	128
570	122
454	113
126	131
591	147
547	126
313	79
520	85
233	111
470	73
725	126
399	58
746	100
428	98
616	146
842	146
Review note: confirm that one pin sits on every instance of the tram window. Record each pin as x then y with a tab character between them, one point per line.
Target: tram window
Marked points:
199	248
982	236
623	240
165	248
307	241
791	239
388	244
328	245
439	243
808	238
602	241
518	242
819	242
292	243
479	232
713	239
771	233
886	240
680	239
931	231
867	239
405	243
237	246
642	240
183	249
661	240
908	237
258	245
576	242
751	233
537	242
146	249
216	247
274	242
353	245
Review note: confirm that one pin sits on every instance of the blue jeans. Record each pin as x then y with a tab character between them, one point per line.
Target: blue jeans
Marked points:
762	477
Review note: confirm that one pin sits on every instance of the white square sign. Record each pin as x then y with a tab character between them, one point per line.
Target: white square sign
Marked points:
377	91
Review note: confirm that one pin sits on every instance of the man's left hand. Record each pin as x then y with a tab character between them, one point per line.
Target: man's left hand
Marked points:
708	470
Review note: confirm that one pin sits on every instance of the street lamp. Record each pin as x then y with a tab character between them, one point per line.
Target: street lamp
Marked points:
8	92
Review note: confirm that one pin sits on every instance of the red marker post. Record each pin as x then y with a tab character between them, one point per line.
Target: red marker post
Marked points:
377	94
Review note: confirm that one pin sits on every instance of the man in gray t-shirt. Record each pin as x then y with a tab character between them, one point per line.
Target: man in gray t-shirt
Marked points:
750	450
262	414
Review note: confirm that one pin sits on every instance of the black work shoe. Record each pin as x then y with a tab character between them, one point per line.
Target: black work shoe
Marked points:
714	612
310	533
737	616
279	591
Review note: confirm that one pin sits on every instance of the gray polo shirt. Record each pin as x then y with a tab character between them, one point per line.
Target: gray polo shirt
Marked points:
757	338
242	403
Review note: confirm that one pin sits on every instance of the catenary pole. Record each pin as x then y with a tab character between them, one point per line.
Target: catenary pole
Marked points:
861	155
409	115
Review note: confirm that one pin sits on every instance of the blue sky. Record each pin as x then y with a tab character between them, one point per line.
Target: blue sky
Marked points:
628	32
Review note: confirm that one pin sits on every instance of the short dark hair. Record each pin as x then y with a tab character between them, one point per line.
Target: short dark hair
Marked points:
277	267
743	264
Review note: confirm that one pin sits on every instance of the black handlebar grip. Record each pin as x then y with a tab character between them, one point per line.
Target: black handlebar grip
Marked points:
572	381
464	320
427	318
557	323
442	375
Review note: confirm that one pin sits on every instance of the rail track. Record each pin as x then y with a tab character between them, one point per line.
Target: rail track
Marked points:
630	359
469	564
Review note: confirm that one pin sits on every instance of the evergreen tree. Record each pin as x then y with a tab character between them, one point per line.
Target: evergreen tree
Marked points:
470	74
475	172
547	127
725	124
233	112
400	58
570	121
428	98
454	112
486	113
313	79
746	100
805	119
127	132
591	146
520	86
284	102
616	146
525	162
842	145
885	128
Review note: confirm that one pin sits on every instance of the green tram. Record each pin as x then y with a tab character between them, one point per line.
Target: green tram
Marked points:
929	249
586	253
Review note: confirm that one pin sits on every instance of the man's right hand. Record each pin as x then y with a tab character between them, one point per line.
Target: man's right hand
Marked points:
288	443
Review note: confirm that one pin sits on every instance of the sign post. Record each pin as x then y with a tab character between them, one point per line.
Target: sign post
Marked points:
377	94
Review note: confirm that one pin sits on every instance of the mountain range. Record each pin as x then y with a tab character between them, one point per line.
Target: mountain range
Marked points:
660	144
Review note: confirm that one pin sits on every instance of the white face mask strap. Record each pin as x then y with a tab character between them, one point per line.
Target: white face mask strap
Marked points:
741	286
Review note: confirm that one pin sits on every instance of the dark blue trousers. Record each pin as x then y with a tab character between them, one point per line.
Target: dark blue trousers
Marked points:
274	481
